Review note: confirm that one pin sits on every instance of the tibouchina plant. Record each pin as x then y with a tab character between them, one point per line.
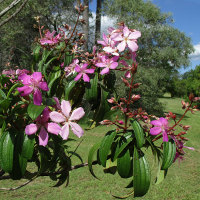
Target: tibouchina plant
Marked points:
35	127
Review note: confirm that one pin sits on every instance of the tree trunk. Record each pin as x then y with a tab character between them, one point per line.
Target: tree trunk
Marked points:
98	21
86	25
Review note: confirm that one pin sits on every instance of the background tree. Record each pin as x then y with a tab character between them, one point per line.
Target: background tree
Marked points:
162	48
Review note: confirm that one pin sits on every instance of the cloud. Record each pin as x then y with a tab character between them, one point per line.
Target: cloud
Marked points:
196	54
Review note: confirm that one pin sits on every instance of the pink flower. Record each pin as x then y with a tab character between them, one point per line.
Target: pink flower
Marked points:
44	126
67	120
160	126
83	71
32	84
50	39
107	63
71	68
128	38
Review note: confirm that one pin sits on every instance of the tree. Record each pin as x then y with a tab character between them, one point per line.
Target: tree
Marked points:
86	25
98	20
53	14
162	48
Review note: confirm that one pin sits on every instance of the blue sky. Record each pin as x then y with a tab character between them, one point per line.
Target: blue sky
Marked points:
186	15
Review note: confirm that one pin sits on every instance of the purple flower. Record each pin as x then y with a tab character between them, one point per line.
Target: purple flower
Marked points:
128	38
160	126
83	71
44	126
66	119
108	64
71	68
50	39
32	84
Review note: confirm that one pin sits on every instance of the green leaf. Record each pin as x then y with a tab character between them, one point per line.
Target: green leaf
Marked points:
141	175
124	164
92	91
169	152
160	176
91	154
111	167
106	146
4	104
45	55
69	88
12	88
139	133
2	94
36	53
121	145
52	81
28	146
34	110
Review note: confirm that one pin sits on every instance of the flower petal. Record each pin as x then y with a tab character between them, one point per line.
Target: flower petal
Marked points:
77	130
86	78
165	137
64	133
114	65
45	114
105	71
77	114
25	79
89	71
31	129
37	97
121	46
53	128
43	137
78	77
156	123
164	121
132	45
66	108
43	86
134	35
126	31
57	103
78	69
26	90
155	130
37	76
57	117
100	64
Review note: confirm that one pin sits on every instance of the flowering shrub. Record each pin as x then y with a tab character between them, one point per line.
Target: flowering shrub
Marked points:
36	127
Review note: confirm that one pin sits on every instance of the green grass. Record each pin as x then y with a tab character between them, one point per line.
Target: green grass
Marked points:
182	182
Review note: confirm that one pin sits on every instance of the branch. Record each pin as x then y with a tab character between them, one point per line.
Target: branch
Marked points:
43	174
13	15
12	5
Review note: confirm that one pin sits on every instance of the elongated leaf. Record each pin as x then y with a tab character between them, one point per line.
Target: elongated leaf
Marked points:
69	88
92	92
34	111
4	105
12	89
45	55
111	167
106	147
2	94
53	80
160	176
45	67
169	152
91	154
139	133
28	146
141	178
122	144
124	163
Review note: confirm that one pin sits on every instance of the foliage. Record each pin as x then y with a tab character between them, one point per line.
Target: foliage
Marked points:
38	108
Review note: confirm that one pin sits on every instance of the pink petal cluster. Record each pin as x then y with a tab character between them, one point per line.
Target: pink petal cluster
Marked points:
128	39
107	64
44	126
50	39
66	118
119	39
33	84
160	126
69	70
83	71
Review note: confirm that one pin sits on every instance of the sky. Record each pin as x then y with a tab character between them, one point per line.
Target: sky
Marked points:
186	15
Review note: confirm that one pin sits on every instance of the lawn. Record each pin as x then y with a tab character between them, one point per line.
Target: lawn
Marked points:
182	182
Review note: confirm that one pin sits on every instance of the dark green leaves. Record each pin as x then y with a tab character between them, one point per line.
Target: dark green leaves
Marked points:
141	179
106	146
139	133
34	111
169	152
